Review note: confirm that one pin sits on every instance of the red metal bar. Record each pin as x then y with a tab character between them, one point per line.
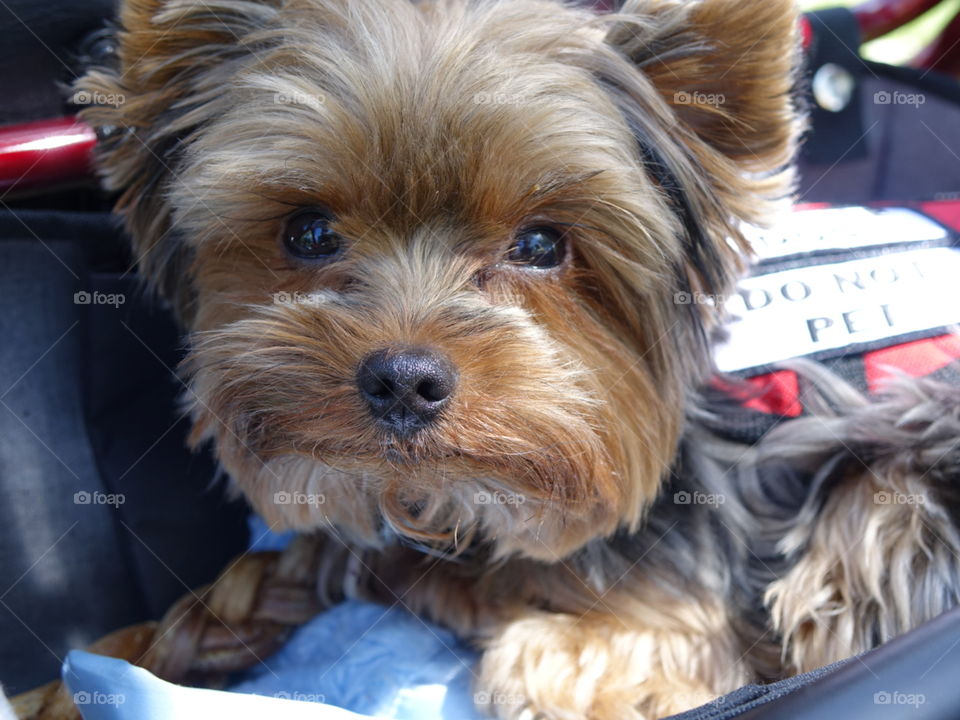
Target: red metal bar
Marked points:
45	153
879	17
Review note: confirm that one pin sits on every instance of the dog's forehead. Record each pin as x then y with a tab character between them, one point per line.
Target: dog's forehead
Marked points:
434	117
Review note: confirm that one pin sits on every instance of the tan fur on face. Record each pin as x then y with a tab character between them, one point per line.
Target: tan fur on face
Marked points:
292	401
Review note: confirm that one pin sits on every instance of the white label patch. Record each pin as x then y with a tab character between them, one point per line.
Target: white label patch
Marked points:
839	229
827	307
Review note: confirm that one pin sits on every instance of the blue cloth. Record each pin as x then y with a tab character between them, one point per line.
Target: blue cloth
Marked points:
371	660
374	661
109	689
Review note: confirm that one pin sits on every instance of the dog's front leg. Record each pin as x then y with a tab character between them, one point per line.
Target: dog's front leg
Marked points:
558	666
556	647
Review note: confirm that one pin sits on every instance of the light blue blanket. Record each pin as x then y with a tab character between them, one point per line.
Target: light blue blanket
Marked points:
370	660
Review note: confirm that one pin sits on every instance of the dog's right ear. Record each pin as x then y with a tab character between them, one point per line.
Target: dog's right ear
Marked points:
174	58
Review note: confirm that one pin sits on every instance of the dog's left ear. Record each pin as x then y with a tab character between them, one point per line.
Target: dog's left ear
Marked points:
727	69
708	90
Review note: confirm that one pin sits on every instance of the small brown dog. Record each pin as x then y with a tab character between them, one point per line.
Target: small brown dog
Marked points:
428	254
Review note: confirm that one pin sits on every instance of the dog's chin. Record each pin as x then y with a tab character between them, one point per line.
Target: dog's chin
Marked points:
445	504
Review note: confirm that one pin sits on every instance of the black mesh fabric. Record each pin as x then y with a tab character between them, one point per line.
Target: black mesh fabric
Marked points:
88	411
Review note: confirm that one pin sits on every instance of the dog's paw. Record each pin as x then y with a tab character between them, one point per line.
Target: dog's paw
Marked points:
561	667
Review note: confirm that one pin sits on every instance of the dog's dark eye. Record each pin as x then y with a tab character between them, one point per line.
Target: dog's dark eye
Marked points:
308	235
540	247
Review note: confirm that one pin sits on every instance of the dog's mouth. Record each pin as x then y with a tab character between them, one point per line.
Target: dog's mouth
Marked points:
409	457
410	453
386	456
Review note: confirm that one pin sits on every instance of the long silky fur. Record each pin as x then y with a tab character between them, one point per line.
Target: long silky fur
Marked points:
875	549
432	132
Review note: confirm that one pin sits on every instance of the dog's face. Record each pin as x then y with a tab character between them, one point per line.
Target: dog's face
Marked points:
430	253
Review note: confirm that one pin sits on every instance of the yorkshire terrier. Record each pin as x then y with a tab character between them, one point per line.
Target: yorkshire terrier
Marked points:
428	255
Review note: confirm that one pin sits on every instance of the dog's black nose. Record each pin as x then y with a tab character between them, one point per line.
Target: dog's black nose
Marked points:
406	389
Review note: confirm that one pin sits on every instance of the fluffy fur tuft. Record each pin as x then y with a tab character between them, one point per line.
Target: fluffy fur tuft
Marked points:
875	549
